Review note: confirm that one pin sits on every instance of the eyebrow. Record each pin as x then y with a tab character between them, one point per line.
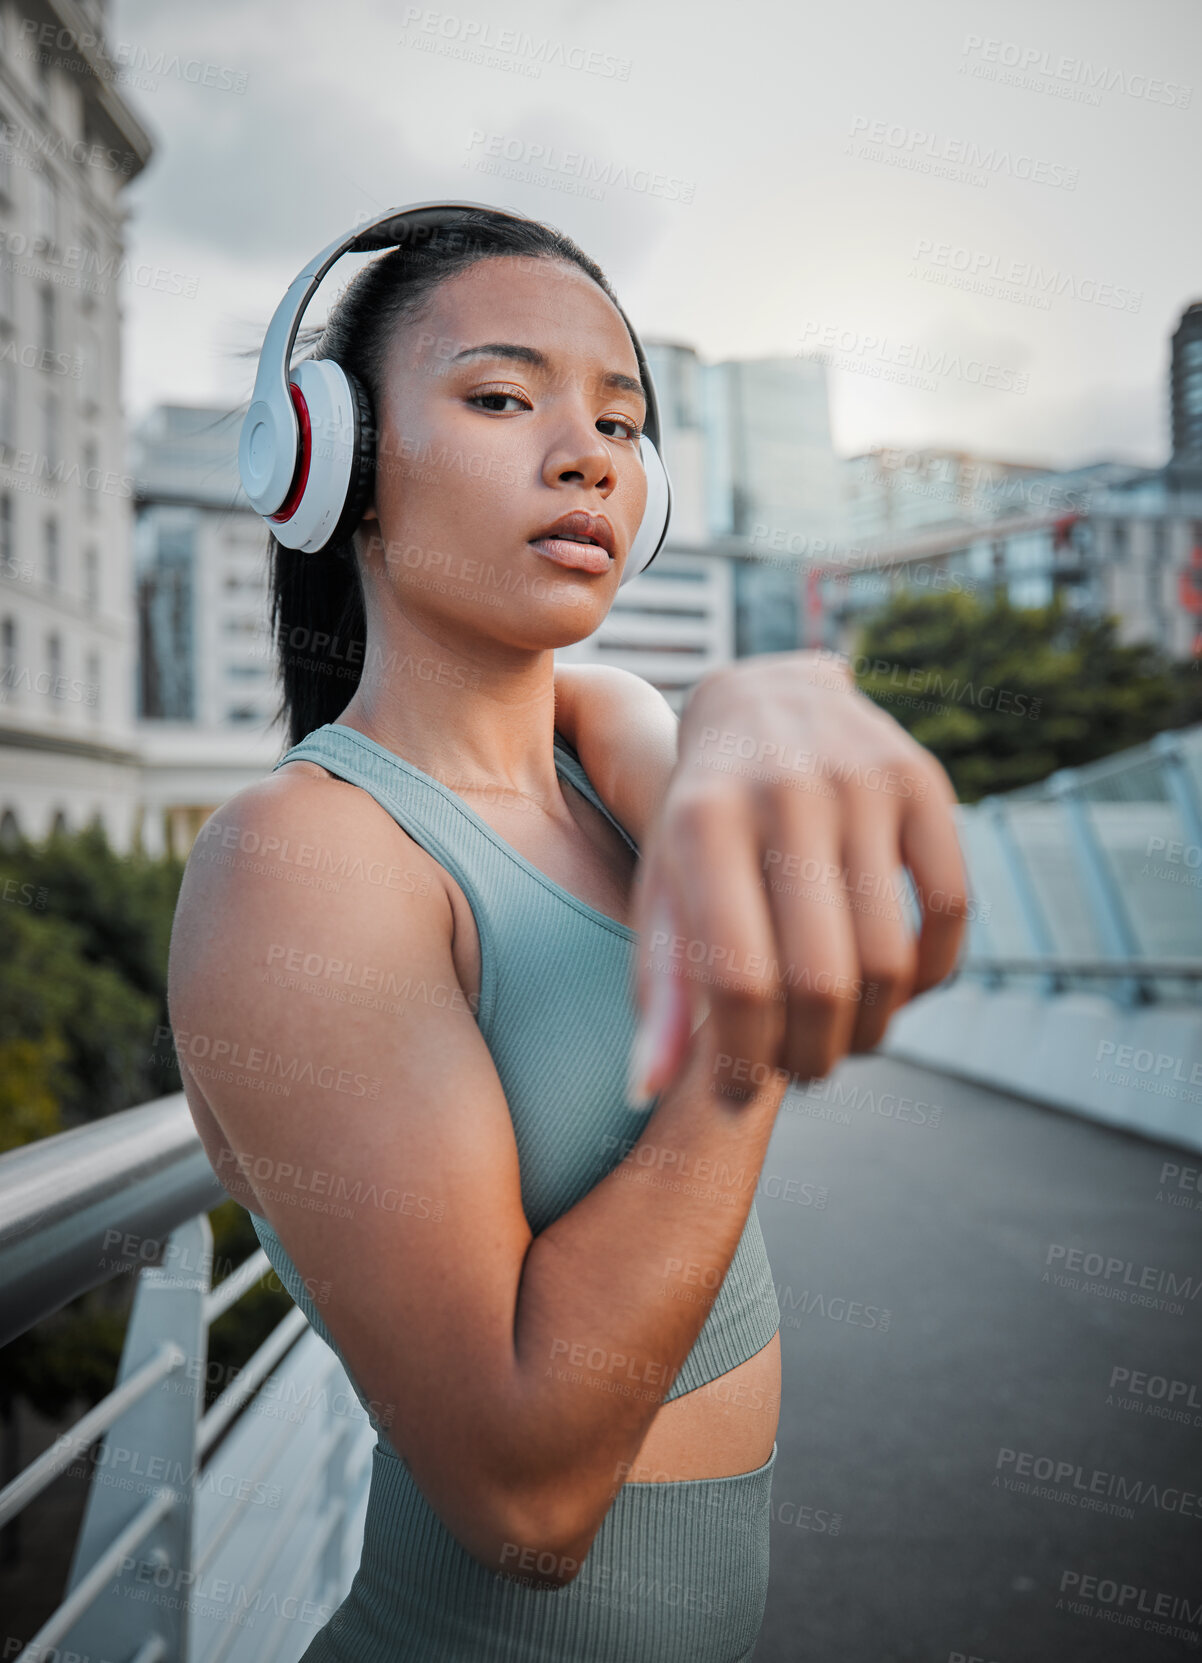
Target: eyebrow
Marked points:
531	355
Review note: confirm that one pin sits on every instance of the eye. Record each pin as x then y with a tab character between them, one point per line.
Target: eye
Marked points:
634	431
501	393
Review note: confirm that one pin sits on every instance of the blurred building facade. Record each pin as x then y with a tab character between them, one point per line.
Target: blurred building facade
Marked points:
69	144
1112	538
200	558
1185	400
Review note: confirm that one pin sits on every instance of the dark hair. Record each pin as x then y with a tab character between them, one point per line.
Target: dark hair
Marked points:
317	612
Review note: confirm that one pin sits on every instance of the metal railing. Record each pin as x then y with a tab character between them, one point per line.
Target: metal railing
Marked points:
1095	874
176	1557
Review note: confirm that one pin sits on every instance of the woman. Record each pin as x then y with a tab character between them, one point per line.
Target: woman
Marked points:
564	1329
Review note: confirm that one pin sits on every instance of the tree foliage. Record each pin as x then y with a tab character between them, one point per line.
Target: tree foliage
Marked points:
1004	695
84	938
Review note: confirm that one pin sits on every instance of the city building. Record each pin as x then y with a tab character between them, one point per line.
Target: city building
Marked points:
774	489
207	691
69	144
201	570
1185	400
1121	544
1111	538
888	491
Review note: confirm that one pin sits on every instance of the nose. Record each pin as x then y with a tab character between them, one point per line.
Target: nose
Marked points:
579	455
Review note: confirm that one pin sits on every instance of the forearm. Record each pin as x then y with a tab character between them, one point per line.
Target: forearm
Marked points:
608	1307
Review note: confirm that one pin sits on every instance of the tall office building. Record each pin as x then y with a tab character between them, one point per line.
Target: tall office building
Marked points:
773	464
207	688
773	489
201	561
68	146
1185	397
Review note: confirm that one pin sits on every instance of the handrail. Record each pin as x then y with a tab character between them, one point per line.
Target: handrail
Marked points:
1189	970
69	1204
130	1191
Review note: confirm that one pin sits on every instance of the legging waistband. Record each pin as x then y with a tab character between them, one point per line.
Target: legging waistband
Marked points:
677	1573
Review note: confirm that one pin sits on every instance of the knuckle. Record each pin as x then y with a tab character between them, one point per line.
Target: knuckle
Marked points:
752	999
815	1062
694	809
890	972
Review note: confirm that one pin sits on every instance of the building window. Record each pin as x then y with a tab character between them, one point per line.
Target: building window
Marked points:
54	661
8	406
90	379
92	282
8	660
51	429
45	211
8	136
47	320
91	690
50	543
91	578
7	301
91	476
6	535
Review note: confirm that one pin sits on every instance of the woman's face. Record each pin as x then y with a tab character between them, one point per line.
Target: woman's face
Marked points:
511	400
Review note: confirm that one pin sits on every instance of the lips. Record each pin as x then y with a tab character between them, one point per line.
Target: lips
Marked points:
580	540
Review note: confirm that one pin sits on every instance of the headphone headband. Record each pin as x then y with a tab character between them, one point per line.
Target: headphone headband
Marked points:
308	495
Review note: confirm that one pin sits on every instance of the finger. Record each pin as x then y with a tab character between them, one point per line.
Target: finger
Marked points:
886	947
813	928
727	944
930	847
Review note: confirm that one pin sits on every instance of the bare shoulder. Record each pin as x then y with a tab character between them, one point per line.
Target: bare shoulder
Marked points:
626	735
304	832
612	683
299	874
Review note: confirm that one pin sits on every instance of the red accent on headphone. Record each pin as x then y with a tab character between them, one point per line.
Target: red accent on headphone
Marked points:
301	478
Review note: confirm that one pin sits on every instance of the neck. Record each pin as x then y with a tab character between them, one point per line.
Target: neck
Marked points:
475	713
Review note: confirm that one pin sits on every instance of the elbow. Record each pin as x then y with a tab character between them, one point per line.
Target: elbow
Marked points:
540	1546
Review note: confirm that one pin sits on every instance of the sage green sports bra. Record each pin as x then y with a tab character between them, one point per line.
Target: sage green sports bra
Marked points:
558	1014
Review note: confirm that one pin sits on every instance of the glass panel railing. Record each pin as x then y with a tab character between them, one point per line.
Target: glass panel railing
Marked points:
1043	835
1145	844
998	927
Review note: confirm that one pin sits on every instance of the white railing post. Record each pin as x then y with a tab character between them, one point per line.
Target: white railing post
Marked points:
152	1446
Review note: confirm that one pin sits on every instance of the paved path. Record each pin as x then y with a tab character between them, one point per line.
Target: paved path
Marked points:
947	1221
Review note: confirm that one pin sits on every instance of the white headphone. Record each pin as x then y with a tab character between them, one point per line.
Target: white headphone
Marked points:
307	448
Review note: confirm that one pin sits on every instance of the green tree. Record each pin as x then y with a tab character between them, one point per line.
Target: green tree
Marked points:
1005	695
84	937
84	934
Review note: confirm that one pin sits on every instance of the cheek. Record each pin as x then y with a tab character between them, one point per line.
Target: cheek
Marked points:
464	466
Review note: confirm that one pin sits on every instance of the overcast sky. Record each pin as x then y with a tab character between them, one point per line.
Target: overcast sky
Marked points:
768	178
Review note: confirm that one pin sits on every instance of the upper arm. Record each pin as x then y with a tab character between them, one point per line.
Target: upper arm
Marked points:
335	1046
625	733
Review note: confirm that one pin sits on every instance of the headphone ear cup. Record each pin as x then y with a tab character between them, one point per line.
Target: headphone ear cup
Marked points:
653	527
363	464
